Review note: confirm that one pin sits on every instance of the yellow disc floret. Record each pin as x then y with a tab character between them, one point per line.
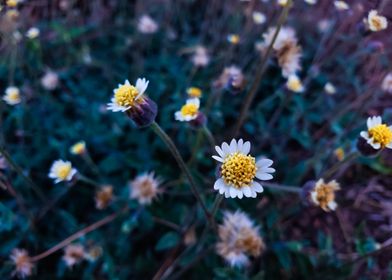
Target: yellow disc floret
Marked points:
381	134
126	95
325	194
238	170
63	171
189	110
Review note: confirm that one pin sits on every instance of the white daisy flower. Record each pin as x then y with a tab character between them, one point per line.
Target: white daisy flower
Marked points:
341	5
294	84
323	194
258	17
32	33
62	171
378	135
127	95
330	88
239	170
189	111
12	96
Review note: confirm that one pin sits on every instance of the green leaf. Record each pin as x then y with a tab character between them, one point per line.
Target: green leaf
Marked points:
167	241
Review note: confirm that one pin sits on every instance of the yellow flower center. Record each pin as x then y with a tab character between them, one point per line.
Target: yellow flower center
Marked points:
325	195
238	170
194	92
14	96
189	110
126	95
63	171
294	84
376	22
382	134
78	148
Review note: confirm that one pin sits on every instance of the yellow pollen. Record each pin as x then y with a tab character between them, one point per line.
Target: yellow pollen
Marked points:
126	95
189	110
194	92
381	134
238	170
63	171
325	195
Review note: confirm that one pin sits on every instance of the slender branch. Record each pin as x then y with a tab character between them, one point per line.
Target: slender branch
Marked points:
261	70
176	154
209	136
273	186
328	173
79	234
167	223
20	172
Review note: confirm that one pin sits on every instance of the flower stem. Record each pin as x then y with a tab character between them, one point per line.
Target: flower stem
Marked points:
338	165
273	186
176	154
209	136
79	234
87	180
20	172
261	70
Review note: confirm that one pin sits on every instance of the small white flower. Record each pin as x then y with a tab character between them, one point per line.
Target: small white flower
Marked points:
341	5
23	264
12	96
74	254
376	22
32	33
189	111
387	83
127	95
62	171
329	88
239	170
144	188
258	18
283	2
50	80
378	135
311	2
200	58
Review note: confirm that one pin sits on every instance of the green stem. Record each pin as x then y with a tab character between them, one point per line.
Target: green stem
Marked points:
261	70
339	164
273	186
20	172
176	154
209	136
87	180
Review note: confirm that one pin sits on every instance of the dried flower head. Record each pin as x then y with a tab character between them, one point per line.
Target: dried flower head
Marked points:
104	197
376	22
78	148
238	239
74	254
258	18
341	5
387	83
144	188
323	194
62	171
239	170
32	33
189	111
50	80
23	264
131	99
231	78
12	96
329	88
147	25
200	56
378	135
294	84
286	49
194	92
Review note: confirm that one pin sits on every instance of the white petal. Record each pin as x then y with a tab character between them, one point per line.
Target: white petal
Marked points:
227	193
263	163
389	146
247	192
240	143
269	170
254	194
246	148
313	196
233	146
141	85
218	158
375	145
264	176
377	120
233	192
364	134
219	151
257	187
225	148
219	184
194	101
240	194
332	205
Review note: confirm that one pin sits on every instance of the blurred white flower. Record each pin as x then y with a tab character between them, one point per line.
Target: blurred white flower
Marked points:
200	57
147	25
32	33
387	83
258	17
330	88
144	188
294	84
21	260
378	135
50	80
311	2
238	239
74	254
376	22
341	5
12	96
